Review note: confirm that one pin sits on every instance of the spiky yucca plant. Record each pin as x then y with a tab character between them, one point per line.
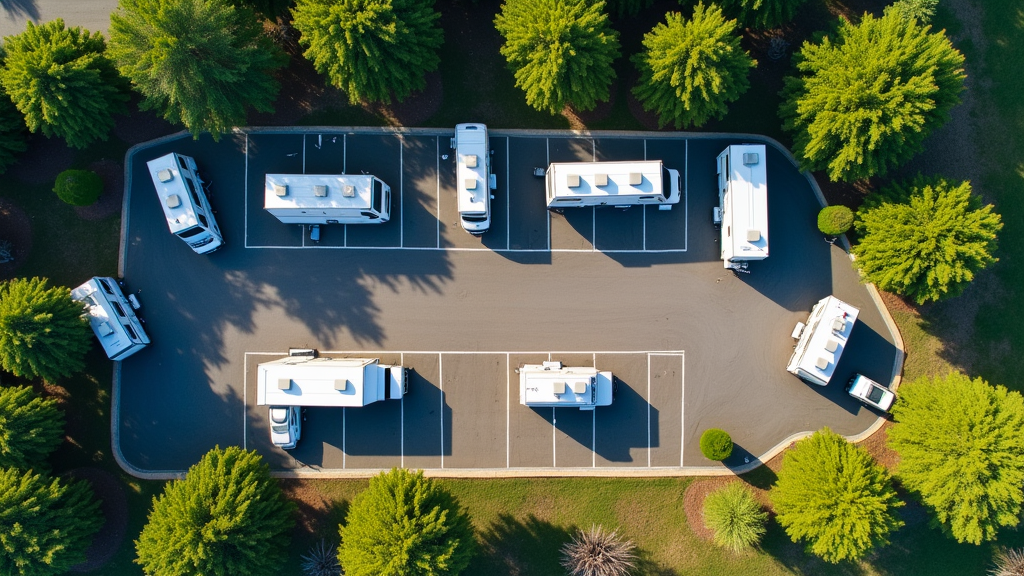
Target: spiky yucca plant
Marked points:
1009	562
321	560
597	552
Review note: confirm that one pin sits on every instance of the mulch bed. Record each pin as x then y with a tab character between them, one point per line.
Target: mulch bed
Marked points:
416	108
109	202
15	228
44	159
114	506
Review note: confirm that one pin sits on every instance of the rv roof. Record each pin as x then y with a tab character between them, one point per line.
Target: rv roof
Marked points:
175	199
747	207
342	191
102	318
826	344
571	386
471	140
641	177
317	382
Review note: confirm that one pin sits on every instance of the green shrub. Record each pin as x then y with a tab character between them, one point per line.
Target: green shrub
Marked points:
715	444
735	517
835	220
78	187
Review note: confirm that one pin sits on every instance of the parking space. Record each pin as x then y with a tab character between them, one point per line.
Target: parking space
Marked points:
424	213
463	411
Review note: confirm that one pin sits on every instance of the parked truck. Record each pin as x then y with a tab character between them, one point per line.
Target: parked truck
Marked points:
304	378
742	211
821	341
616	184
556	386
112	317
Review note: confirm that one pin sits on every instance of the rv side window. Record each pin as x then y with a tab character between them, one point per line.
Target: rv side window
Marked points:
192	191
202	220
118	309
378	198
666	183
727	167
190	232
106	287
370	215
131	332
182	163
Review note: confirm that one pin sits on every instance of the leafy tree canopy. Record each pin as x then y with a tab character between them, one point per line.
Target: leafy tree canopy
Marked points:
371	49
764	14
47	524
691	69
925	239
43	332
226	517
201	63
961	450
560	51
865	98
62	83
405	525
832	495
12	132
627	8
31	428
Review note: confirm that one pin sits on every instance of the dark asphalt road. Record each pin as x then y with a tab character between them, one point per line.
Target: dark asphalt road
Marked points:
436	291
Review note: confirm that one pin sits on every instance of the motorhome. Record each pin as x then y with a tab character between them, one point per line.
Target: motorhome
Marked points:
474	179
112	317
556	386
617	184
327	198
301	380
821	341
742	211
184	201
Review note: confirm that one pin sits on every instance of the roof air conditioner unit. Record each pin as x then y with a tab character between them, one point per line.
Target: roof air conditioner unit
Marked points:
831	344
165	175
349	191
579	387
284	383
319	190
822	363
341	385
753	235
280	189
636	178
471	160
173	201
750	158
558	388
601	179
838	324
573	180
470	183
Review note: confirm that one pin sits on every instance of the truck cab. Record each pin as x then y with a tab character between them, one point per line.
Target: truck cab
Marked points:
285	426
473	177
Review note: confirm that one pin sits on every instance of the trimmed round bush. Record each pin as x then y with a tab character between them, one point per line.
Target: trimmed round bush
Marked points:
715	444
78	187
735	517
835	220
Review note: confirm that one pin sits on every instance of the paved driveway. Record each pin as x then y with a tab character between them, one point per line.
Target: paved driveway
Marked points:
93	15
639	292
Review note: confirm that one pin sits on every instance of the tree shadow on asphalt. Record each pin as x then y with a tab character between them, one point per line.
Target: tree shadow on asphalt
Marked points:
20	9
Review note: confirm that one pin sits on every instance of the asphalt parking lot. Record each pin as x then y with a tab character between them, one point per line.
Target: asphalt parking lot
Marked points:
640	292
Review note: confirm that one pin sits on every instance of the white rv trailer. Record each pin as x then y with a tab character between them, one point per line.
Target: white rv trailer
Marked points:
618	184
112	317
822	340
473	176
742	208
183	199
327	198
552	385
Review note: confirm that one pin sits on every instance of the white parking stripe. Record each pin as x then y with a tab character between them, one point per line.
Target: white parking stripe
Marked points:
304	153
246	190
508	196
401	189
686	190
437	173
401	419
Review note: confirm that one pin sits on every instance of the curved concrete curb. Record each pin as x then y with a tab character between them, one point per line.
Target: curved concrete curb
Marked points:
626	472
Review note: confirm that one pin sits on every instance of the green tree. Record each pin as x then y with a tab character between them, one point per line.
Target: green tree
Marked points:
31	428
405	525
864	101
961	450
560	51
226	517
12	132
715	444
47	523
925	239
61	81
43	332
736	518
921	10
692	69
832	495
835	220
266	8
627	8
78	187
764	14
371	49
201	63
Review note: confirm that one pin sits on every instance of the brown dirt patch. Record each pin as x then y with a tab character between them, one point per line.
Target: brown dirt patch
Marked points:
416	108
877	445
114	506
15	229
109	202
580	119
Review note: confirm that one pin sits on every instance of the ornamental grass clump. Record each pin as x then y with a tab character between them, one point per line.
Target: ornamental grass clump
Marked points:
736	518
597	552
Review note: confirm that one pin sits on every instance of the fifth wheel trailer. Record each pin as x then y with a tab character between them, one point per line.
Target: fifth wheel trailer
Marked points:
616	184
742	210
822	340
556	386
308	380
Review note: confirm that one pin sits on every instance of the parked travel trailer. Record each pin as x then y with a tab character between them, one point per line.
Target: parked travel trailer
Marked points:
183	199
302	380
618	184
112	317
474	179
742	211
822	340
556	386
327	198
